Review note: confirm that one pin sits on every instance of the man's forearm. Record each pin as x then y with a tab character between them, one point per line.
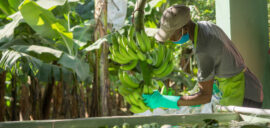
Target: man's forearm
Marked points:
203	97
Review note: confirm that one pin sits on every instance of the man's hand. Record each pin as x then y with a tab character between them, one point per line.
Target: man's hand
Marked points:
202	97
157	100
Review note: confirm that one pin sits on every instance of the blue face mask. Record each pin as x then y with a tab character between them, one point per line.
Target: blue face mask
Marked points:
183	39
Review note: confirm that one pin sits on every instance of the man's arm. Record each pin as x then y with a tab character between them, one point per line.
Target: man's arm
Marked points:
202	97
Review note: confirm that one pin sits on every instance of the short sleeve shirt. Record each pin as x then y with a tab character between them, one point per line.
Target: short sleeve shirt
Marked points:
213	57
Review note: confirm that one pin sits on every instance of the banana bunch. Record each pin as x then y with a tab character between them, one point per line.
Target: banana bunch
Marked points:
128	52
134	50
132	92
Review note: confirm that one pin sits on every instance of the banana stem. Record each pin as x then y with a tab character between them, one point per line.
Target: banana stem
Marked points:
146	72
139	15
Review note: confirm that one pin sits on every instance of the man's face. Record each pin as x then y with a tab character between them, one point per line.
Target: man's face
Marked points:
178	34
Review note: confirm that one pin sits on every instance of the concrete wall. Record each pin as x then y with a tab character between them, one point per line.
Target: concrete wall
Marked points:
246	23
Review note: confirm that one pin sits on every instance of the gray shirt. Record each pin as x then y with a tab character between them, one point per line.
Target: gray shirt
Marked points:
217	56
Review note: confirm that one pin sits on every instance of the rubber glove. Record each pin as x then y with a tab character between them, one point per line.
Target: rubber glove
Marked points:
157	100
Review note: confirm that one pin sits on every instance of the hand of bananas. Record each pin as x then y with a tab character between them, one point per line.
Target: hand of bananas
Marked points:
132	92
129	53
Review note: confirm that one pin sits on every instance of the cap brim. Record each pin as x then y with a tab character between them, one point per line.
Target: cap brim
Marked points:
163	35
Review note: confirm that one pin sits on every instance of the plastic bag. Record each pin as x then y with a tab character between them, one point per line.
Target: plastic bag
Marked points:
117	11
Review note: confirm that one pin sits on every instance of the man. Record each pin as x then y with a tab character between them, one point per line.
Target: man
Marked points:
218	59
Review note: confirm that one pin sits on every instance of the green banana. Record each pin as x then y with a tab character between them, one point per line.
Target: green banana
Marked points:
161	50
131	31
129	81
122	80
142	105
132	53
136	109
163	67
154	55
118	55
124	39
124	53
126	98
128	49
124	91
168	71
141	56
114	42
132	99
140	41
149	59
147	89
146	40
118	60
133	44
130	65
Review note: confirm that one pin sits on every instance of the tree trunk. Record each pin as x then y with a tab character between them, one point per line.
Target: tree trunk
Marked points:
74	102
46	106
14	98
35	98
2	95
65	108
82	102
101	30
58	99
95	104
88	100
24	103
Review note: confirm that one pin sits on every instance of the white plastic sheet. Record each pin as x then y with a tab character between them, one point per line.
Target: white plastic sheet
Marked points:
117	11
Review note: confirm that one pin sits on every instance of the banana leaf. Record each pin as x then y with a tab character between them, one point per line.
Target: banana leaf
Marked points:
78	66
45	54
46	24
7	31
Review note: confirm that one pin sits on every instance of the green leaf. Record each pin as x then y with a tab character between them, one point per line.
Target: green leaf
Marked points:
83	32
10	57
43	53
157	3
98	43
81	68
50	4
66	36
5	7
47	71
7	31
15	4
16	41
44	23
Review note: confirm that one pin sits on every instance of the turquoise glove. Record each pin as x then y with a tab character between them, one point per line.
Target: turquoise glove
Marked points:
157	100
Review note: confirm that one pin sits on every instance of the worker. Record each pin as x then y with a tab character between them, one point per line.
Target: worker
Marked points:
218	60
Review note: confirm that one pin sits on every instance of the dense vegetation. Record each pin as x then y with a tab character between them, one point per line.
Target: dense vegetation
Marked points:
52	58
